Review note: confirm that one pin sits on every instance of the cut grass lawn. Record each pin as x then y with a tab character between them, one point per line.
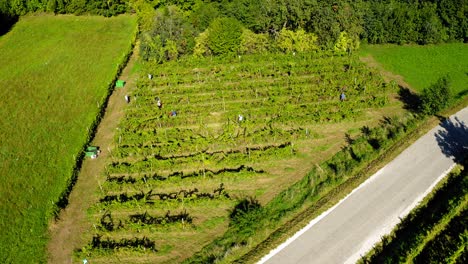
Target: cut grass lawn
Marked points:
421	66
55	74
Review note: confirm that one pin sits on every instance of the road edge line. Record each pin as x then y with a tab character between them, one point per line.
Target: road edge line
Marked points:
317	219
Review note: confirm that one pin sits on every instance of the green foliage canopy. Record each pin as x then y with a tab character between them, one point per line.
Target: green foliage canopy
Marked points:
224	36
436	97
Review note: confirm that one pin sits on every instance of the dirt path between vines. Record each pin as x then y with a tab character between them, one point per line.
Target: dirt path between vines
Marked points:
67	233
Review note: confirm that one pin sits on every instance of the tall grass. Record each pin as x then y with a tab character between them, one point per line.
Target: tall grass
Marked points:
421	66
55	74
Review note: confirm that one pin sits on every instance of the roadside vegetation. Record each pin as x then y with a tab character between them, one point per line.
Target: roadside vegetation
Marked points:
54	88
435	232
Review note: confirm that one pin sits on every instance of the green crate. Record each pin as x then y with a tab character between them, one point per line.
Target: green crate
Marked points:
120	84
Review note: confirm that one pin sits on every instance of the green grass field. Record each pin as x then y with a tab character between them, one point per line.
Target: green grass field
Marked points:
55	72
421	66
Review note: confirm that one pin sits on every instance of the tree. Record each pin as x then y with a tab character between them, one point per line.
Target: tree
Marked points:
151	48
51	6
323	22
18	7
436	97
374	24
77	7
225	36
167	34
201	45
431	31
145	14
344	44
299	41
170	49
254	43
203	14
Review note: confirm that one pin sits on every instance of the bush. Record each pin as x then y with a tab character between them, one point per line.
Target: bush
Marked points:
300	41
437	97
243	207
254	43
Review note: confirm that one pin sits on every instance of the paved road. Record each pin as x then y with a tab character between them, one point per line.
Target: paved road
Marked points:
350	229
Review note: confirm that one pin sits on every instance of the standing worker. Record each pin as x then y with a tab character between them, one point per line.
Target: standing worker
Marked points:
342	96
127	98
159	104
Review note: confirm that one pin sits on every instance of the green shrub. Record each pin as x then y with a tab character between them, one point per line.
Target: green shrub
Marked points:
253	43
300	41
436	97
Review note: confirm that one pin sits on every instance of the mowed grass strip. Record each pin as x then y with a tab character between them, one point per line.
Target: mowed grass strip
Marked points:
55	72
421	66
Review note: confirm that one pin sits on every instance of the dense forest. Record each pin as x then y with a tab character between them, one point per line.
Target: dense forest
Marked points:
172	28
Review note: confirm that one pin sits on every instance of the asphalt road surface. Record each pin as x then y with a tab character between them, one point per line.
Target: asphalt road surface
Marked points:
355	224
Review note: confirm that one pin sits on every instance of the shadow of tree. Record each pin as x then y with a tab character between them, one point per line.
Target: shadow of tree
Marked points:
410	99
453	139
6	23
462	93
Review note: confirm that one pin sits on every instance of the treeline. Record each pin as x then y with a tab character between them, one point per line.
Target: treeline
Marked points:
172	28
12	8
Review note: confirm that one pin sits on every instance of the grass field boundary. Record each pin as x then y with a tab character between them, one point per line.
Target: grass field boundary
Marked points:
420	66
57	71
63	201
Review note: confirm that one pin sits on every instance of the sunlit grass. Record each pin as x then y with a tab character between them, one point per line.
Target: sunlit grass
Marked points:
421	66
55	72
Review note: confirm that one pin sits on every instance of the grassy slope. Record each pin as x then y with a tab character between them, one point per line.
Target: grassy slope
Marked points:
54	70
423	65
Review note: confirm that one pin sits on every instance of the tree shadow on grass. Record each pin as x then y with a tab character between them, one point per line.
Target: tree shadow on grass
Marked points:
462	93
410	99
6	23
453	139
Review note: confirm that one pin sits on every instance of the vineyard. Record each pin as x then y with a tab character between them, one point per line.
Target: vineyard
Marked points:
203	135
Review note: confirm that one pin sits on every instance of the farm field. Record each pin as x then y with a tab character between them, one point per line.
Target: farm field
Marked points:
55	74
421	66
435	232
173	182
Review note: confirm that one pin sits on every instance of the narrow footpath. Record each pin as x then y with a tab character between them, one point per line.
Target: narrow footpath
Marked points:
66	234
349	229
